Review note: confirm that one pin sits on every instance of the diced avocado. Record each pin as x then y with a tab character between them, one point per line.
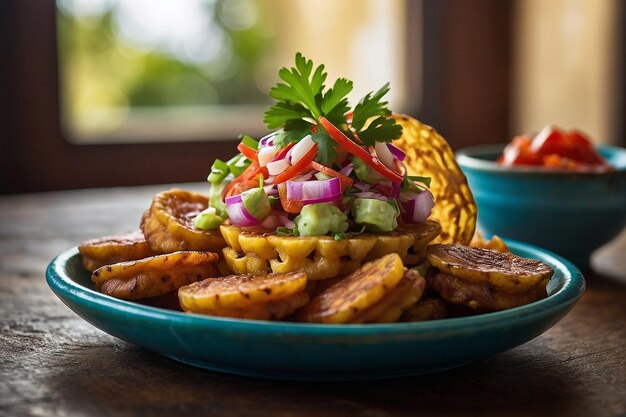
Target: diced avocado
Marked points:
321	219
208	219
256	202
365	172
215	197
376	215
219	171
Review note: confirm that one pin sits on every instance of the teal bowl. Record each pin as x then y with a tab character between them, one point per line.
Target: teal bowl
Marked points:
569	213
284	350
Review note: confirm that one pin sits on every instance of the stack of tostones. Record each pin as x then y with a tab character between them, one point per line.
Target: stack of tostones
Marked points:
322	257
378	292
168	253
258	297
485	279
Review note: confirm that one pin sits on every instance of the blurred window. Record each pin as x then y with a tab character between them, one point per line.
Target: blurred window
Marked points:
163	70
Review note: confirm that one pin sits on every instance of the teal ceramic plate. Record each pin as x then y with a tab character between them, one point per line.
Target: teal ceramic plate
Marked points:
318	352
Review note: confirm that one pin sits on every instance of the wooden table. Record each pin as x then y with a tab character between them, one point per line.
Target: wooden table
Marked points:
55	364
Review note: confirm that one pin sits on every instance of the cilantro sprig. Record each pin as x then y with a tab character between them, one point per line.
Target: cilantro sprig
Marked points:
303	98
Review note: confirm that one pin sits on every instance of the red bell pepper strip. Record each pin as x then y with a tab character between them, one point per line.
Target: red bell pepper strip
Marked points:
248	152
253	171
356	150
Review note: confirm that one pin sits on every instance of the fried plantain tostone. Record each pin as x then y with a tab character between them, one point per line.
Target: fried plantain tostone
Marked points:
112	249
240	291
426	309
347	299
482	295
269	310
168	224
505	271
389	309
495	243
428	154
322	257
155	275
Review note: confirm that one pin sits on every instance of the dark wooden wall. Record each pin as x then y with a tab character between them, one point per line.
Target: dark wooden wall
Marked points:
466	97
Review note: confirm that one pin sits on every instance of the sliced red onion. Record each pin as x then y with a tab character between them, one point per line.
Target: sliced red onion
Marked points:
233	199
268	140
284	218
385	189
384	155
398	153
395	189
363	186
347	170
311	192
266	154
276	167
417	207
304	177
325	199
240	216
270	190
300	149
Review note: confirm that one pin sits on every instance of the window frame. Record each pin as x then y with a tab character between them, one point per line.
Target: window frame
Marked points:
37	157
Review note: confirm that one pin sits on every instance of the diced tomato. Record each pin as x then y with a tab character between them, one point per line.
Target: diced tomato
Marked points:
289	205
248	152
553	148
242	186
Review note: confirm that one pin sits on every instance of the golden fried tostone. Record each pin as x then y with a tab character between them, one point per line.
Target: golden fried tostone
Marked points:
155	275
349	298
428	154
168	224
432	308
112	249
505	271
259	297
389	309
322	257
495	243
483	295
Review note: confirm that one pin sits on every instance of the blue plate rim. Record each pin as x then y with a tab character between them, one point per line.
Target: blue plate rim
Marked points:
573	287
465	158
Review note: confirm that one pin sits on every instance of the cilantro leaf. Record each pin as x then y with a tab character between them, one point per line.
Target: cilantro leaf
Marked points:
336	95
293	131
281	112
326	152
370	106
303	84
380	129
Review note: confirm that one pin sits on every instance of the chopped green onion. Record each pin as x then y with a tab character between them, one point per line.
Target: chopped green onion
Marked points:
238	164
249	142
219	171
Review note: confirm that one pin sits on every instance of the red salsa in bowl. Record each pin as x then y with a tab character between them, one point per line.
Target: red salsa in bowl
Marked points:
554	148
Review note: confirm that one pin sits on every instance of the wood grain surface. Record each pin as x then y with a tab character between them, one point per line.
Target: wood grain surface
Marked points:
55	364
